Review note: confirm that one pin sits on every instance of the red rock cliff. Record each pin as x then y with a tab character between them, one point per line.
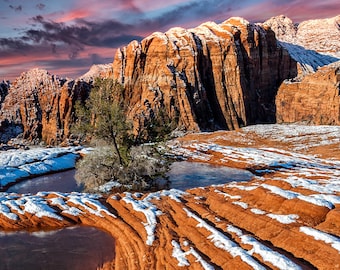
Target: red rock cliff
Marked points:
212	76
313	100
42	105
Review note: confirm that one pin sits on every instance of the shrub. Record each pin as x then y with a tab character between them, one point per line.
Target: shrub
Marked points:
145	165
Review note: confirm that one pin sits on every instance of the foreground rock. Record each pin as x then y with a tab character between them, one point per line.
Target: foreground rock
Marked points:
315	99
287	217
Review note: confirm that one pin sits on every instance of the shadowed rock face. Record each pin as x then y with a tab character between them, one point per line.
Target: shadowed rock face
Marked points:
3	91
210	77
313	100
42	105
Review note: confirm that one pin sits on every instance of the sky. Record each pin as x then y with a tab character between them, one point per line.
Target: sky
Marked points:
66	37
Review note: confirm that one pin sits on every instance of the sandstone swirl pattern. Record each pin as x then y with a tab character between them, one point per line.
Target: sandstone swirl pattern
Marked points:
286	217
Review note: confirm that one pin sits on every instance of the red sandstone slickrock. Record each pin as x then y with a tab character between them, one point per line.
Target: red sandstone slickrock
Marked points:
286	217
314	99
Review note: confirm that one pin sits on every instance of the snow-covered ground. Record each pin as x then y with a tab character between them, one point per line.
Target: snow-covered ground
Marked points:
19	164
309	180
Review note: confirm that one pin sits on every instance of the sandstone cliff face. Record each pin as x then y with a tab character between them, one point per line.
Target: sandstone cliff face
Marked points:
3	91
313	100
210	77
42	105
312	43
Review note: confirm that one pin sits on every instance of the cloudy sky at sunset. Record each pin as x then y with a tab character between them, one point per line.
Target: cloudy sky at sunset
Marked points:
67	36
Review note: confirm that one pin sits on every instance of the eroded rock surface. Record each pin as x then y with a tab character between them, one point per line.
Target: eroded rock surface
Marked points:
211	77
312	43
315	99
41	105
286	217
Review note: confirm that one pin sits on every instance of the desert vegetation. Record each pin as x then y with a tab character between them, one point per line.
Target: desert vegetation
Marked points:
120	157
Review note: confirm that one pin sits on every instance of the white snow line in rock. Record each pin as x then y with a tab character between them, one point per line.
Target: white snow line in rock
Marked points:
284	219
258	211
89	202
292	195
267	254
226	195
223	242
5	210
322	236
149	210
66	209
241	204
180	256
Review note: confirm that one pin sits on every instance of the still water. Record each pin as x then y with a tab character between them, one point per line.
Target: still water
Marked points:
185	175
76	248
182	175
85	247
59	182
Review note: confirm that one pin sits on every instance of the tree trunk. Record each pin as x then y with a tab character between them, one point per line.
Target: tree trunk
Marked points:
117	150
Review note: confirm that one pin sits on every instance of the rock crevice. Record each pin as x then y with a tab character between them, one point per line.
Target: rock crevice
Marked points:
214	76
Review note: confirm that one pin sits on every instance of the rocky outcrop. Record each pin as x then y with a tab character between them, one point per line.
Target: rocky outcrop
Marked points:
313	100
102	71
286	217
312	43
210	77
42	105
3	91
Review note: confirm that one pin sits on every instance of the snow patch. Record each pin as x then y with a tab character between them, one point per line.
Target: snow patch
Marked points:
284	219
223	242
149	210
180	256
278	260
322	236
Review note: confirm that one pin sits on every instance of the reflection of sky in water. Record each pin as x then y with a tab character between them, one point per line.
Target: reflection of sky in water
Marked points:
184	175
78	248
61	182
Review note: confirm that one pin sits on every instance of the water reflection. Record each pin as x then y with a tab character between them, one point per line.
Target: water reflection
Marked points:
60	182
182	175
77	248
185	175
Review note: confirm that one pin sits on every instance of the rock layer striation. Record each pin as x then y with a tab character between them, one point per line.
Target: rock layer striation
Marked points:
211	77
286	217
40	105
315	99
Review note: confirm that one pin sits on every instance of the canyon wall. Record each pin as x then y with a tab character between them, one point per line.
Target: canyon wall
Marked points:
40	105
214	76
210	77
313	100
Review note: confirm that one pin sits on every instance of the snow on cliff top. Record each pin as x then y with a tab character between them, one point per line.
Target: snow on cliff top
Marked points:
313	43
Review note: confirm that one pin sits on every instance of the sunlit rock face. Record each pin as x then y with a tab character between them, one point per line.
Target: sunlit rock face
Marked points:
312	43
42	105
315	99
210	77
321	35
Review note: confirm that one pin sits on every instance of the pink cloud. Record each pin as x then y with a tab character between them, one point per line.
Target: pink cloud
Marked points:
296	10
74	14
